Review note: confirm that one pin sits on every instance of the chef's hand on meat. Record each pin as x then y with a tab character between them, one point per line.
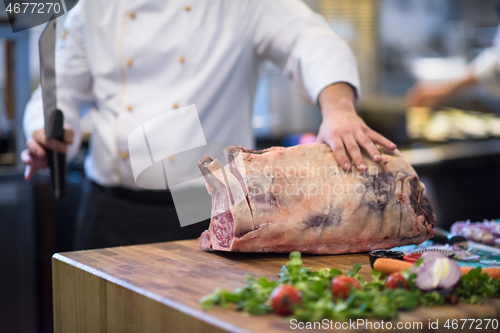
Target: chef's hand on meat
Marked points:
344	131
34	154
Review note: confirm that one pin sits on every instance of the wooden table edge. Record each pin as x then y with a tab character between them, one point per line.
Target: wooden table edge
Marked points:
199	314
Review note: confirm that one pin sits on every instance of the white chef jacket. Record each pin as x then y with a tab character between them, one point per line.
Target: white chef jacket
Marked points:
486	66
129	61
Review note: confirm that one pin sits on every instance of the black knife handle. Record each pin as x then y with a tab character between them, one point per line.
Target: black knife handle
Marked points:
57	161
440	236
444	237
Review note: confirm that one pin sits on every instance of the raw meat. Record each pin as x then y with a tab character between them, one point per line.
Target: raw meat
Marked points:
300	199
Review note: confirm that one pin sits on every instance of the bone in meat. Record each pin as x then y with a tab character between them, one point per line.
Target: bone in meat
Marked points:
300	199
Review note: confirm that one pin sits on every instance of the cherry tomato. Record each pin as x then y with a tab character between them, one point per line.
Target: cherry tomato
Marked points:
396	281
340	286
282	299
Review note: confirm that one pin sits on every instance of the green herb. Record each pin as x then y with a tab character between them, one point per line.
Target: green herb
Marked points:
372	301
474	286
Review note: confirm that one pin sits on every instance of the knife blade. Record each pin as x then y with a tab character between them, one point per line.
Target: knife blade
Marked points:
54	119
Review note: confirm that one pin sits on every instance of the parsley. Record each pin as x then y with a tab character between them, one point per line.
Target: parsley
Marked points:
474	286
372	301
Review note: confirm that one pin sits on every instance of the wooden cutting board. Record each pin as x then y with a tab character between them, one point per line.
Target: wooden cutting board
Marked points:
156	288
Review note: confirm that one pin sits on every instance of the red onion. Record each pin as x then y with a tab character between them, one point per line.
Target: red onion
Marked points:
479	233
425	277
456	228
437	272
486	232
494	227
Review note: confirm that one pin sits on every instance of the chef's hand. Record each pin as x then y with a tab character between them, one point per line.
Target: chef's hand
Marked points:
342	129
34	154
430	94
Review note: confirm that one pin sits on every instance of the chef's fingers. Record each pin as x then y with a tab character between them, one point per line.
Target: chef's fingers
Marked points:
69	134
34	158
354	151
418	101
33	163
377	138
420	96
28	172
335	142
417	96
35	149
26	158
370	148
56	145
413	96
39	137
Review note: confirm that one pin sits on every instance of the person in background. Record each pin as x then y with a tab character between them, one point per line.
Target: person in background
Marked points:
128	61
484	70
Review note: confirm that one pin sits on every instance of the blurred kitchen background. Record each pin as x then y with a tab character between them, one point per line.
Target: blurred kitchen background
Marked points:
396	43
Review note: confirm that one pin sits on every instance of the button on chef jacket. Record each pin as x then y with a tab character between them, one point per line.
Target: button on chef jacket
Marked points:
126	62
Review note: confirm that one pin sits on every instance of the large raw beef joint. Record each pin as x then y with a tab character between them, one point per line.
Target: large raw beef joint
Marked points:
300	199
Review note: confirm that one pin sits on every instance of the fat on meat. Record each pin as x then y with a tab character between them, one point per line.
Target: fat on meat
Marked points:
300	199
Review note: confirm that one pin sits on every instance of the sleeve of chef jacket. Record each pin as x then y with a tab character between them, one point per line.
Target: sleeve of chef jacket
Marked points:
73	80
486	66
302	44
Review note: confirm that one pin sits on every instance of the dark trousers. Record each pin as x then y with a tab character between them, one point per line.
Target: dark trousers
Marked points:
116	217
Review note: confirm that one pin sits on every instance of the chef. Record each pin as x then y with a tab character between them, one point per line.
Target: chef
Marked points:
484	70
125	62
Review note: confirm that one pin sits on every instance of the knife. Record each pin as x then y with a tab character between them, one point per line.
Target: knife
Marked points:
54	119
445	237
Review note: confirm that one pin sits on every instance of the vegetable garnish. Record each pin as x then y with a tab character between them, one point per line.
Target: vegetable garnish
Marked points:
395	281
412	257
388	266
342	286
306	294
493	272
283	298
437	272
